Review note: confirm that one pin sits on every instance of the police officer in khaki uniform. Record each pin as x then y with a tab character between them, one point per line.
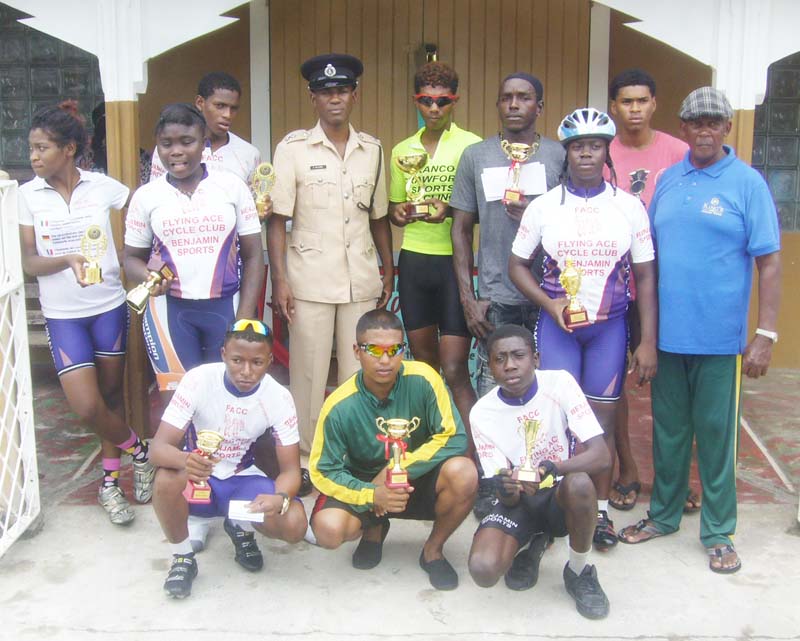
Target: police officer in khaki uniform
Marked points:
330	183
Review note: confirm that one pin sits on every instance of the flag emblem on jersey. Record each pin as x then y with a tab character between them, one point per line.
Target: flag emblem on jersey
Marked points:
46	238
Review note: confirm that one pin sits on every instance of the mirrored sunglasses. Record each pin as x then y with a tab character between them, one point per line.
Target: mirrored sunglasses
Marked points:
244	323
379	350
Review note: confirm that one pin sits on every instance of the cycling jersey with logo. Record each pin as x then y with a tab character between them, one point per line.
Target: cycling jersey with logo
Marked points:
206	398
600	233
195	235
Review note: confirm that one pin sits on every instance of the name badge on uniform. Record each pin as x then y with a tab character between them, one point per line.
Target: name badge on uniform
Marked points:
313	167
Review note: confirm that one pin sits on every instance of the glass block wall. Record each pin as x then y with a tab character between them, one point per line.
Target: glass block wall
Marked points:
776	140
37	70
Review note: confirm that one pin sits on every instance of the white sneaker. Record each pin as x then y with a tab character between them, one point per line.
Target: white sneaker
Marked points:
198	532
114	502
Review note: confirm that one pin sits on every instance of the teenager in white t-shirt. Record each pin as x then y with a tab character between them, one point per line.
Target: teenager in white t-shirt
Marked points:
239	400
605	233
198	222
550	406
64	216
218	98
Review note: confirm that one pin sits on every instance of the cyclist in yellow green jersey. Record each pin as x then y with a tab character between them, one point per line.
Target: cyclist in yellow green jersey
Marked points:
427	287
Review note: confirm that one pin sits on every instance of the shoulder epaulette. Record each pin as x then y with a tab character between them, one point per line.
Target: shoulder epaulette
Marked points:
367	138
298	134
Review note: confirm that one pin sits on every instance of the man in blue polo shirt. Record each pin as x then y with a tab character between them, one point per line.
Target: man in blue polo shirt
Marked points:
712	215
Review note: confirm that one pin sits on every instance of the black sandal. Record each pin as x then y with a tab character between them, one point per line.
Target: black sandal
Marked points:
624	490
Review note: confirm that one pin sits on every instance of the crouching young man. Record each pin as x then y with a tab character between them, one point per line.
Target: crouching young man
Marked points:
348	457
532	417
241	402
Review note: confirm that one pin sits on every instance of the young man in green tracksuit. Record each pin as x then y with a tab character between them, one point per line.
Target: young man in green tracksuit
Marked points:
348	457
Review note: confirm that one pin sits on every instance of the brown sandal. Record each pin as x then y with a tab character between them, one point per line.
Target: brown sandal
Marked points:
645	526
715	554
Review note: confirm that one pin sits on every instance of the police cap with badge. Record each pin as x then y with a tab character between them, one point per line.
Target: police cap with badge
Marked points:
331	70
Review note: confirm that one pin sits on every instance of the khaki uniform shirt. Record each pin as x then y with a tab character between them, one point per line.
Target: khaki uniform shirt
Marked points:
331	256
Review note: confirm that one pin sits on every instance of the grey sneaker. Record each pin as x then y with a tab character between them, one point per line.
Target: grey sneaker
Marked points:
198	532
114	502
143	476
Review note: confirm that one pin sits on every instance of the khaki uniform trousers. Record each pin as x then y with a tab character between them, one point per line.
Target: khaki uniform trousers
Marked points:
311	337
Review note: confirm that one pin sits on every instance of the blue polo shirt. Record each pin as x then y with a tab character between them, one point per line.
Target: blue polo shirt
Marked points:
709	224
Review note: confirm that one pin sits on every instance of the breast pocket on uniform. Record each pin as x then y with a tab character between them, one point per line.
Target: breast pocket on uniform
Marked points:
304	241
322	186
363	187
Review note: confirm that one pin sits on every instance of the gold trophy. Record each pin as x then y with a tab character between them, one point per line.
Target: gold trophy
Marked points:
412	164
93	247
638	181
518	153
575	314
394	431
263	181
137	297
208	442
529	471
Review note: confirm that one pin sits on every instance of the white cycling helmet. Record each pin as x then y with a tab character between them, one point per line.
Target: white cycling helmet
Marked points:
586	123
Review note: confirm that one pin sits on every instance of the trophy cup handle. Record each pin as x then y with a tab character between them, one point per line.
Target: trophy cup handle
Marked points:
413	424
380	423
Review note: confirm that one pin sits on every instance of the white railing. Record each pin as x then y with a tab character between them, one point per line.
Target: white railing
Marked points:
19	480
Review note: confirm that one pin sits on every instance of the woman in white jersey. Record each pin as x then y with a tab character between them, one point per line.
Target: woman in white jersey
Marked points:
202	224
64	215
604	233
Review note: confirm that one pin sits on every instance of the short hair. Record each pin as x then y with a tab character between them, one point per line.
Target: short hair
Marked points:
511	331
180	113
532	80
631	78
217	80
377	319
436	74
63	125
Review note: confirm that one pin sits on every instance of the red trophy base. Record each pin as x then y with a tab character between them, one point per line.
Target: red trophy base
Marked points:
197	494
576	318
512	196
396	479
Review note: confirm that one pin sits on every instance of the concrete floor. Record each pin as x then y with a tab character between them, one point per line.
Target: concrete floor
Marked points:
81	578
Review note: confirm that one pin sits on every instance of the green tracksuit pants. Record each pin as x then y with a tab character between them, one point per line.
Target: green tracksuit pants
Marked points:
696	396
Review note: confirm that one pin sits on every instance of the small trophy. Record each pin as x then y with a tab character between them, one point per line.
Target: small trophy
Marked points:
412	164
638	182
159	270
208	442
93	247
263	181
518	153
528	471
575	314
394	431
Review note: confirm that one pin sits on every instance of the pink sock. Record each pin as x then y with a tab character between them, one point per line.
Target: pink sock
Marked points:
111	471
127	445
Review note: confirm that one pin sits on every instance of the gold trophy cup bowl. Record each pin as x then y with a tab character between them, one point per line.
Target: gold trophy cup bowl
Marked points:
528	471
208	442
412	164
263	181
138	296
575	314
517	153
94	245
395	431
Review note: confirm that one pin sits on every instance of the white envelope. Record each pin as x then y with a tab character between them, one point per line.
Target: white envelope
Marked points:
532	180
237	510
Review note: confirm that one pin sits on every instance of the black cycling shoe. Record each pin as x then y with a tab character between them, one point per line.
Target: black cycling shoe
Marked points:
306	487
524	571
485	499
604	535
181	574
247	553
590	600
